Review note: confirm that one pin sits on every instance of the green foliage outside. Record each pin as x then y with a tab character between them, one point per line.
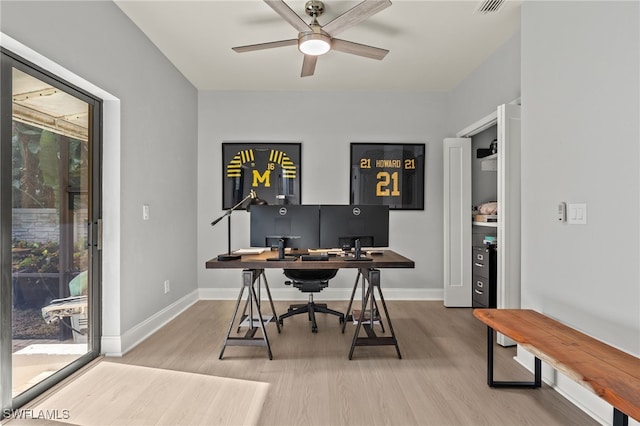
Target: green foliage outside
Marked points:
35	257
36	166
44	257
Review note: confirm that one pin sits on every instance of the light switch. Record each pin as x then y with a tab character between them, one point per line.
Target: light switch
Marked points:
577	214
145	212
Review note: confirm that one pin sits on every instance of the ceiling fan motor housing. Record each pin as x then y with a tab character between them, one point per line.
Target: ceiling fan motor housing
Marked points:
314	8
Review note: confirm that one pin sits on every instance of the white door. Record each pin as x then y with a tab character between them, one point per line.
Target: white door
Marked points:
457	222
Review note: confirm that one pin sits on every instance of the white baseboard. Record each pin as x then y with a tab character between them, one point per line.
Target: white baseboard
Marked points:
326	294
581	397
119	345
111	346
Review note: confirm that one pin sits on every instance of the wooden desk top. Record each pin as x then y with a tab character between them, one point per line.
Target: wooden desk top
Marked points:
612	374
389	259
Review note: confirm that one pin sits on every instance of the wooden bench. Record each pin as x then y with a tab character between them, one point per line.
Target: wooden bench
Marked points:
610	373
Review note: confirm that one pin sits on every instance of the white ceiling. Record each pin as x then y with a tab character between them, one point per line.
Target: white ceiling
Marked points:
433	44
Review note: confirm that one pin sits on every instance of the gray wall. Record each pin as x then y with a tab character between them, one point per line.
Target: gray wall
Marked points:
496	81
96	41
581	127
325	123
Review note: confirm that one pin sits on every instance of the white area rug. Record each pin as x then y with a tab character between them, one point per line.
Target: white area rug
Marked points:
54	349
120	394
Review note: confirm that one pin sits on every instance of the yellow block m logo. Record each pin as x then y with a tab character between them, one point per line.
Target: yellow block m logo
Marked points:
264	178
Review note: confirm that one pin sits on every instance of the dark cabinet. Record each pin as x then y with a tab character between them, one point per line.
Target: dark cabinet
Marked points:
483	287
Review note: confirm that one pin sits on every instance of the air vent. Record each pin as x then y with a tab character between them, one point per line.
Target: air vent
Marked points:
489	6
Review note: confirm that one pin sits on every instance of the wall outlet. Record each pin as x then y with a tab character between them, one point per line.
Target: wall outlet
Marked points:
167	286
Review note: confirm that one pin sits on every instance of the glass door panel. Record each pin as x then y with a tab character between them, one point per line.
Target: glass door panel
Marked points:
50	146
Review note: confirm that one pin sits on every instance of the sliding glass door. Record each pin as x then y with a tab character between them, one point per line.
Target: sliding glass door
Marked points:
50	230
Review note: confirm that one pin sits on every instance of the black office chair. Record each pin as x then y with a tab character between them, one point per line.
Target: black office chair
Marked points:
310	281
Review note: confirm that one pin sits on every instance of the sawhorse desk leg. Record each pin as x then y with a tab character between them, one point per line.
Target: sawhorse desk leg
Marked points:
348	316
249	276
261	277
372	277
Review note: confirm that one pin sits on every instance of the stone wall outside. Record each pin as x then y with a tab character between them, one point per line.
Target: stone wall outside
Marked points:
43	225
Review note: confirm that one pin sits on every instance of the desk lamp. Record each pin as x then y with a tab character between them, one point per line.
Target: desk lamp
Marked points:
254	201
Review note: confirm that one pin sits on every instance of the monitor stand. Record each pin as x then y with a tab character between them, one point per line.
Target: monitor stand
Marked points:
358	254
281	256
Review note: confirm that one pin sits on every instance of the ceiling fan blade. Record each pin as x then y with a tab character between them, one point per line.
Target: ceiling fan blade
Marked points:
358	49
308	65
262	46
355	15
288	15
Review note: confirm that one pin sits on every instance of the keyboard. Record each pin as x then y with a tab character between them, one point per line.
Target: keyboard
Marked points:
313	257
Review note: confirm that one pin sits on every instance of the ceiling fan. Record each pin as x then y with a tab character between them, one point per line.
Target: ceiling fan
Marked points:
315	39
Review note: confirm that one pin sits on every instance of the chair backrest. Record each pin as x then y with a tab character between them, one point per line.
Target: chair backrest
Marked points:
310	280
310	275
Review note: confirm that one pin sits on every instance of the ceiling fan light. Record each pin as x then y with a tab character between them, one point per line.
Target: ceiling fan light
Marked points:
314	44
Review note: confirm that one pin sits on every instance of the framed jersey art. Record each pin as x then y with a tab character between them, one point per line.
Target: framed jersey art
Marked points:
272	170
388	173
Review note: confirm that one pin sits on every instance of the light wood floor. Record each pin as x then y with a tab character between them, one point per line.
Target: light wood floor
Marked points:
441	379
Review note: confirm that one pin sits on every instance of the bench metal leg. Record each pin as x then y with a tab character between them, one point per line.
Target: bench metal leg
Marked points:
620	418
537	382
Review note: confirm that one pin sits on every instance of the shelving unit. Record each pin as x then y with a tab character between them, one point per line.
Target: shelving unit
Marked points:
489	163
487	224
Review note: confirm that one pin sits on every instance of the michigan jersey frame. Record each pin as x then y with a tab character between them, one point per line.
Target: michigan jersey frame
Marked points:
271	169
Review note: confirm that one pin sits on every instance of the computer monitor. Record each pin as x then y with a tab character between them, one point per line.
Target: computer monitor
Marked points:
298	225
342	225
